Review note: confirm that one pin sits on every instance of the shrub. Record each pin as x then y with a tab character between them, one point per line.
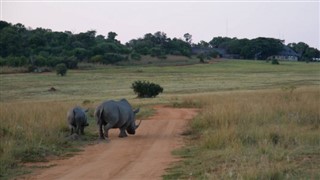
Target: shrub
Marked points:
201	57
61	69
274	61
145	89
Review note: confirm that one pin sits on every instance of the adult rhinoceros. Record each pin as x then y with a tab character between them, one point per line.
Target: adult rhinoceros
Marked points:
116	114
77	120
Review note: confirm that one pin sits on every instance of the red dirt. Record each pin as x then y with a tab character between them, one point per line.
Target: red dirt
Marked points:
145	155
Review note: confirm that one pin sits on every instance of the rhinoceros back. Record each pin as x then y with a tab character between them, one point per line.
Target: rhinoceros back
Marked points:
118	113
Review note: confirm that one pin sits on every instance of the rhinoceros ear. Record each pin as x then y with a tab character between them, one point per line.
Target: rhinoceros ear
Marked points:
136	111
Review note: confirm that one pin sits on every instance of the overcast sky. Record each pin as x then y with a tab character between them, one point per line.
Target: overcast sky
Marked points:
292	21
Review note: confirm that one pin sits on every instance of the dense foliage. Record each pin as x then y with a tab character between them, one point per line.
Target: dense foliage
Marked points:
21	46
259	48
42	47
145	89
248	49
159	45
274	61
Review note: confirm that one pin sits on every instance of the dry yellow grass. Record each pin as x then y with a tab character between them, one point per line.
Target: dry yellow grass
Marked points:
30	131
33	119
270	134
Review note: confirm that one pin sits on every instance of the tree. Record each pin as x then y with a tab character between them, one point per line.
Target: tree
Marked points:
216	42
21	46
61	69
266	46
306	52
160	38
188	38
135	56
203	44
80	53
97	59
300	47
112	36
87	39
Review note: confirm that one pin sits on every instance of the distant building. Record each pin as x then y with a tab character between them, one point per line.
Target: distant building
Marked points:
287	54
201	50
316	59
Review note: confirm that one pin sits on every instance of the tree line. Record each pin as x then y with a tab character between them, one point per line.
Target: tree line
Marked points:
259	48
21	46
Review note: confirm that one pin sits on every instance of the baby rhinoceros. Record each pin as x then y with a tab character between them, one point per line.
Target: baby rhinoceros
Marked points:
77	120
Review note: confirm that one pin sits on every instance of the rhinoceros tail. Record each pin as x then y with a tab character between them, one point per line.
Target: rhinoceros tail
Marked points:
99	116
73	120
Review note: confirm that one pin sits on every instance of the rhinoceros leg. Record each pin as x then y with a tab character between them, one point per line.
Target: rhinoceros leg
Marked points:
106	132
82	130
106	129
100	132
78	127
123	133
71	130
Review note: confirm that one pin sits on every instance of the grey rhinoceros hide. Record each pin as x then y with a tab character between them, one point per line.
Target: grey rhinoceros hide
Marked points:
77	120
116	114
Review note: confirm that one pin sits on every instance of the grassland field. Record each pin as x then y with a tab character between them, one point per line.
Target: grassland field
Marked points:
115	82
33	124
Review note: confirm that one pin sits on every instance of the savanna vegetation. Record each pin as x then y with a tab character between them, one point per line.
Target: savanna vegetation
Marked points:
37	48
268	134
254	114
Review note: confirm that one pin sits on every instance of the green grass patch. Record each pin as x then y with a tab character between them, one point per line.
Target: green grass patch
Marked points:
114	82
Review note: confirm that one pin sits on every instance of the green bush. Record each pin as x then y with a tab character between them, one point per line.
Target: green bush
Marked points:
274	61
61	69
201	57
145	89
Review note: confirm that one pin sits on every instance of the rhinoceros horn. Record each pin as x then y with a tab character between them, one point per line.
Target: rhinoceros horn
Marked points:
135	112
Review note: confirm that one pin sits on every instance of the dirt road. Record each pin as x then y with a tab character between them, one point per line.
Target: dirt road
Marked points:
145	155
